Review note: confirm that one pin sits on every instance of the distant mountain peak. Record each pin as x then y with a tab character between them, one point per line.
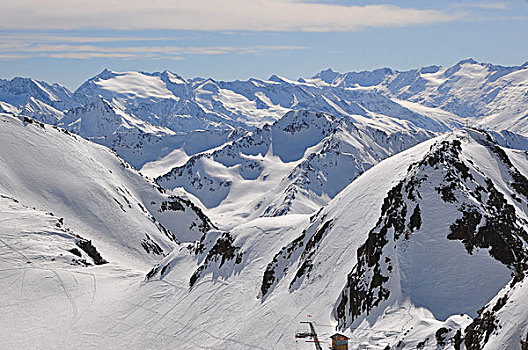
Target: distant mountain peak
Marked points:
468	60
328	75
106	74
275	78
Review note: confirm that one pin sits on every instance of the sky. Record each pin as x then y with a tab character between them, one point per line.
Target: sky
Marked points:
69	41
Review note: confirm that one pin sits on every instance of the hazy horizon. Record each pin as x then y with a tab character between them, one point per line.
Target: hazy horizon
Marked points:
70	41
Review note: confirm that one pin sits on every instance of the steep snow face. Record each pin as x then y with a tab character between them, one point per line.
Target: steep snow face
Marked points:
295	165
138	141
503	323
37	99
18	91
408	272
443	264
101	118
41	111
293	134
100	197
133	139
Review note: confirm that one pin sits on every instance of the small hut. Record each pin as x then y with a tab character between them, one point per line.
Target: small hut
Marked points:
339	342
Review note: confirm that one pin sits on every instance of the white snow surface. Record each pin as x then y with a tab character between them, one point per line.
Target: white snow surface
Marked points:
208	294
99	195
301	179
295	165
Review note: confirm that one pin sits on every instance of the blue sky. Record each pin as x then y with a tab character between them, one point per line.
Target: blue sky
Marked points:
68	41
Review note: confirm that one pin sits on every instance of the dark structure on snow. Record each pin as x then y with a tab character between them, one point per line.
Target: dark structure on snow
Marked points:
339	342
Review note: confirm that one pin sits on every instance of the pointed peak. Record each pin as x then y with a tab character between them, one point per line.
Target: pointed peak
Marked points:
106	74
169	76
467	60
275	78
327	75
328	70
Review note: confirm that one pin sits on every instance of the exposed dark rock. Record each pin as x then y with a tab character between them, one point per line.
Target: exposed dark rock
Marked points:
151	273
75	251
524	342
500	303
164	269
491	223
479	331
316	238
92	252
415	221
361	293
500	231
422	344
458	340
151	246
205	223
172	205
441	336
465	227
269	277
222	251
520	182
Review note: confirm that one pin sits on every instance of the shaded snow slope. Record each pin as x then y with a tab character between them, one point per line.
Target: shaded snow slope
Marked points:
37	99
98	195
143	113
137	141
379	262
294	165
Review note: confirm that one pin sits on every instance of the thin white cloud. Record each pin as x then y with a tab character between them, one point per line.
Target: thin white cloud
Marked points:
16	50
480	5
210	15
7	37
10	57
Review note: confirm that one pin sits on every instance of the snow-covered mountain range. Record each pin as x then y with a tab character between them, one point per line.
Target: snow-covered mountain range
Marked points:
294	165
378	263
146	210
144	109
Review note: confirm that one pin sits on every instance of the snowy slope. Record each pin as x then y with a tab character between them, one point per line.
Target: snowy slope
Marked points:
369	264
405	253
37	99
491	96
294	165
143	111
137	141
377	263
434	98
168	100
99	196
503	323
165	99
